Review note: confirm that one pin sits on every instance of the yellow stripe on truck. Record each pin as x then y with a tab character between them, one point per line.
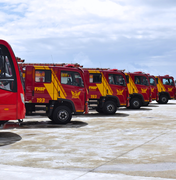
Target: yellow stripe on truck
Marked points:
131	85
104	86
42	67
54	89
160	85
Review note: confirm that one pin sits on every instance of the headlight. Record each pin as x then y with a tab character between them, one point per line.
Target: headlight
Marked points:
22	97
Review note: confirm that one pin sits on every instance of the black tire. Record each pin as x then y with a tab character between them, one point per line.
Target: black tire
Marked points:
135	103
62	115
163	99
51	118
3	122
109	107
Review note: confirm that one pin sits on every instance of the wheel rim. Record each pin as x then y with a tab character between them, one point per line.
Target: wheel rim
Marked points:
164	99
110	108
136	103
63	115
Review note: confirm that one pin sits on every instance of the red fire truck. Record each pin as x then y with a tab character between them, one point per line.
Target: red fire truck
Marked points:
107	89
60	91
11	90
139	89
154	88
166	88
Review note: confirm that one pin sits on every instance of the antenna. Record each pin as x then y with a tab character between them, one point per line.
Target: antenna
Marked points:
52	58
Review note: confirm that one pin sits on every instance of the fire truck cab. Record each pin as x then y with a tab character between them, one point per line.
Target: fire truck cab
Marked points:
107	89
166	88
60	91
154	88
11	90
139	89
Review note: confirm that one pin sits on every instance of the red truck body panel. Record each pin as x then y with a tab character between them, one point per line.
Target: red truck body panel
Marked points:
47	83
166	85
138	87
11	93
107	83
154	88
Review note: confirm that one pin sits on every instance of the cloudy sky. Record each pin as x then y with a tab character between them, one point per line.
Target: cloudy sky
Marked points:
136	35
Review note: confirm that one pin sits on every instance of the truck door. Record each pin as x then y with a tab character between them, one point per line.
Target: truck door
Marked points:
73	89
169	86
153	88
8	86
95	85
119	88
43	88
143	87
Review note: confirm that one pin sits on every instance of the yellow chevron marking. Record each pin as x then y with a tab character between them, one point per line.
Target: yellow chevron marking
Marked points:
131	85
160	85
120	92
75	94
143	90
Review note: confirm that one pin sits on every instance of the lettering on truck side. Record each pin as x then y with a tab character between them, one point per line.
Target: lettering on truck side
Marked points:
40	100
92	87
40	89
93	96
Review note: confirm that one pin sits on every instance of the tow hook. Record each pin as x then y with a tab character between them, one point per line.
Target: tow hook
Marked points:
20	121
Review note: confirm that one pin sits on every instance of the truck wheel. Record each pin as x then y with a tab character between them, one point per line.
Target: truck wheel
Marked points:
3	122
62	115
163	99
135	103
109	107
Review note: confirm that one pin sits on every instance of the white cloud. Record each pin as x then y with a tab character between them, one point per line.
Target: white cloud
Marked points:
98	31
82	59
